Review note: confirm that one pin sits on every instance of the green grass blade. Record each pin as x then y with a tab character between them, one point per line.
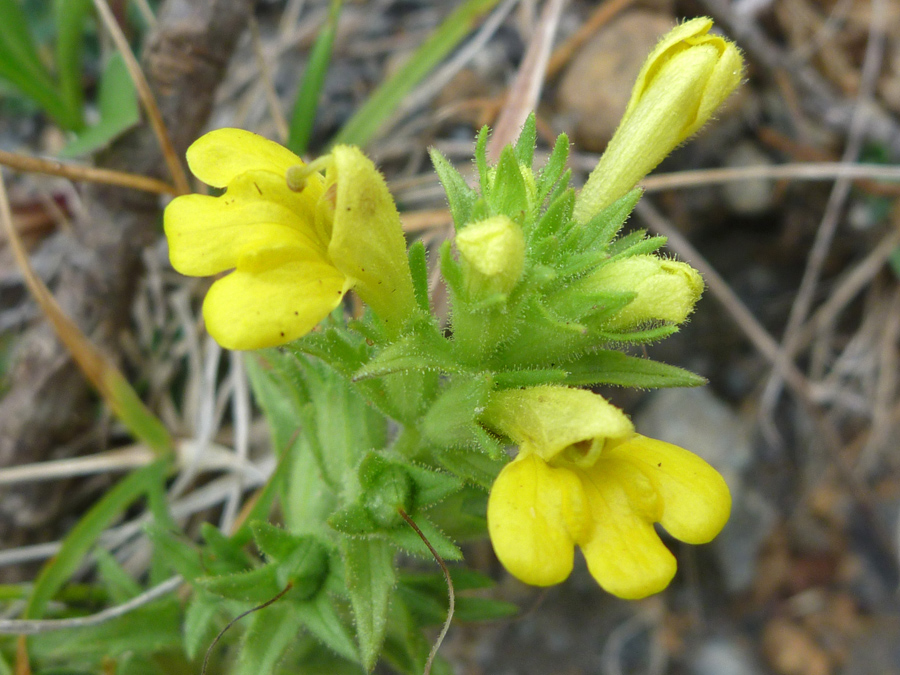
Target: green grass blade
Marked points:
70	16
366	122
307	102
85	534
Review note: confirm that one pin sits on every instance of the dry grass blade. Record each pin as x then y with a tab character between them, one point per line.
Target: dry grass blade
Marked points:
526	88
266	81
146	96
87	174
606	11
874	57
33	627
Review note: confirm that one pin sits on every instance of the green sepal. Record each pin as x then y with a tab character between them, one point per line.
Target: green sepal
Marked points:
526	142
431	486
320	618
460	197
451	419
301	560
557	216
353	520
418	267
612	367
508	194
554	168
225	552
599	231
386	488
635	243
548	339
409	540
369	565
334	346
257	586
590	308
462	515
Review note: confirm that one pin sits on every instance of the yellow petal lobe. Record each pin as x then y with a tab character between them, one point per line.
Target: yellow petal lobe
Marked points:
220	156
623	552
696	499
272	300
535	514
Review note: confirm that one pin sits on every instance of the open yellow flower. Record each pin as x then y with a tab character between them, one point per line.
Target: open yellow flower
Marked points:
294	252
584	478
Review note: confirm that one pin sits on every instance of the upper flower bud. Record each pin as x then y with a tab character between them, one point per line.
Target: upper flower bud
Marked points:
492	253
683	81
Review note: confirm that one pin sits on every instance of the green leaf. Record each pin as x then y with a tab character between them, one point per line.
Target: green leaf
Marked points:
70	18
257	586
514	379
460	197
449	421
118	583
612	367
307	101
409	540
366	122
118	107
200	622
418	267
471	465
322	620
180	555
369	565
424	349
147	630
21	66
272	631
86	532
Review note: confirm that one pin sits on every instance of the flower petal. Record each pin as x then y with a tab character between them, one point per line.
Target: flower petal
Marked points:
623	552
207	234
696	499
551	419
267	305
220	156
367	242
535	513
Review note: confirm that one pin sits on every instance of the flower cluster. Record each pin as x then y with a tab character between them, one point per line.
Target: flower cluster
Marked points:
541	287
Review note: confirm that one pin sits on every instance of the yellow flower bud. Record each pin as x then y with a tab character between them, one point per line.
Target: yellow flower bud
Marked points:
492	253
667	290
683	81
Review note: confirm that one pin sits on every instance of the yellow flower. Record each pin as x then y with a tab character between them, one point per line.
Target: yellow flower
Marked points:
294	252
600	488
686	77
